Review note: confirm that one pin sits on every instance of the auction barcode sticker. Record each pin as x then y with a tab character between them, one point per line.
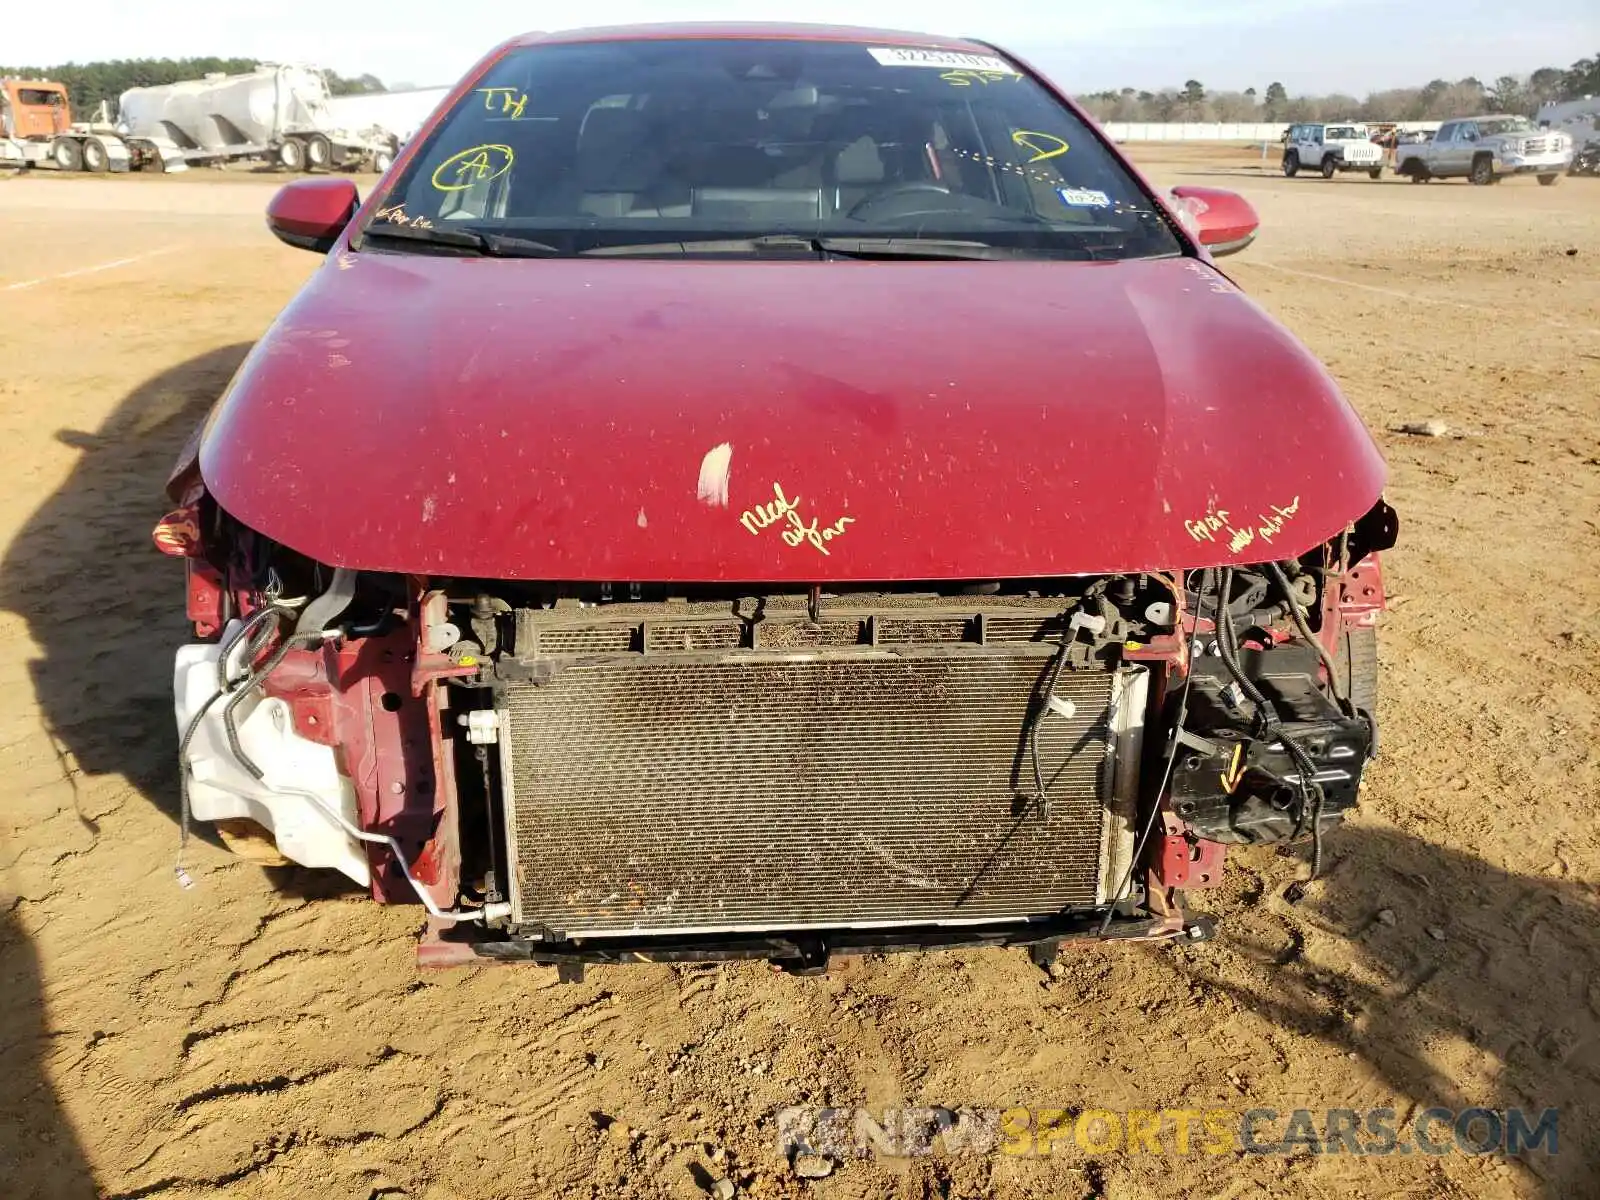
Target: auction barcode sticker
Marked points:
945	60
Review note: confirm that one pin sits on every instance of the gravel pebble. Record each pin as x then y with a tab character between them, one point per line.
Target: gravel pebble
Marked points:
812	1166
1431	428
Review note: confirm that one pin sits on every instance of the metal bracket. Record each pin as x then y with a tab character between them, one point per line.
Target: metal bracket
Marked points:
813	958
1043	954
1084	633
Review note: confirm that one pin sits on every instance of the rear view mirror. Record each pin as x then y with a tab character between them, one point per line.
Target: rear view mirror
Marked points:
310	214
1223	222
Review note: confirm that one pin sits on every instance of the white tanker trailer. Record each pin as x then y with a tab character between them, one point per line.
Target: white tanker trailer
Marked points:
275	112
399	113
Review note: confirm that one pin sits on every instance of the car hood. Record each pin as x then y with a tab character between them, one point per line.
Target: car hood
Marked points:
750	421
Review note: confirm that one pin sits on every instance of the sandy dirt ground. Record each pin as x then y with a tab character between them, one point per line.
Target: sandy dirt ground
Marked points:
267	1034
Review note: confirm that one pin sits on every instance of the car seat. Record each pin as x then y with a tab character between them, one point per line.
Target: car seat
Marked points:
613	169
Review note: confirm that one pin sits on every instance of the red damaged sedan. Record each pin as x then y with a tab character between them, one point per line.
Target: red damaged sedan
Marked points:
774	492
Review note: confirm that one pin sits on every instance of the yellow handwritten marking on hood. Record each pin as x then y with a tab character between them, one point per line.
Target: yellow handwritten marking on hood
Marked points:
1205	528
782	509
1270	527
1218	521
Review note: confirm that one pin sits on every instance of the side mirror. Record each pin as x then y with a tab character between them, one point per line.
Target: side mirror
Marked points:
1223	222
310	214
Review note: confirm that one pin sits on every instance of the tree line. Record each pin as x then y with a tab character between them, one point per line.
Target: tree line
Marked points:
1436	101
90	83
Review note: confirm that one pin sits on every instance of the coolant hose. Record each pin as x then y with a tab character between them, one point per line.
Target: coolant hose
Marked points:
489	912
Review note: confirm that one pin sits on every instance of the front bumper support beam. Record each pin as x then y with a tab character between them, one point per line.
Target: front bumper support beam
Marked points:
803	953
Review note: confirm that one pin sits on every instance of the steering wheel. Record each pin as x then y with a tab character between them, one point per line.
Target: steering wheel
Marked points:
900	189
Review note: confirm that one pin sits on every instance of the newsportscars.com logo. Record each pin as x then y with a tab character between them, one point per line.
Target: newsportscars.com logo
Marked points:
843	1133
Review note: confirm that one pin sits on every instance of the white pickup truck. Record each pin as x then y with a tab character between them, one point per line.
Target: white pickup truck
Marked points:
1330	148
1486	150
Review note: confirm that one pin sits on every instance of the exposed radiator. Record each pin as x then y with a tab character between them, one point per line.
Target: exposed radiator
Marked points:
744	791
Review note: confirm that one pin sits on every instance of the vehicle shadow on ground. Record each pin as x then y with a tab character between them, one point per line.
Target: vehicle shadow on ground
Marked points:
40	1157
1484	991
104	607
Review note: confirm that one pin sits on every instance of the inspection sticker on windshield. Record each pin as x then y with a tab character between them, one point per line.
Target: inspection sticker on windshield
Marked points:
910	56
1083	198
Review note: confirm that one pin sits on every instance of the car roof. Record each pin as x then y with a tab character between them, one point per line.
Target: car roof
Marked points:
734	30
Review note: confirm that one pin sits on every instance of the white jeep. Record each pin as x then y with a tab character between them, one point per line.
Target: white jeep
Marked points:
1329	148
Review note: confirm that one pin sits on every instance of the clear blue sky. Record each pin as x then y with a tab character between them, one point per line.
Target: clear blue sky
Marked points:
1311	45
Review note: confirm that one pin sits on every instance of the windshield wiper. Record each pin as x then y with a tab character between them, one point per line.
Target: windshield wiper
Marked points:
935	248
462	241
777	241
476	243
839	247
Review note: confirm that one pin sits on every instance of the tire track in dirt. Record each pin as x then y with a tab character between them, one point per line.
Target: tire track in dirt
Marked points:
230	1117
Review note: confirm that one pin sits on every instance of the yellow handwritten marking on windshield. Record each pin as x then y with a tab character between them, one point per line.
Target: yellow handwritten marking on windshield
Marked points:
964	78
988	160
512	102
480	164
1043	145
396	214
781	508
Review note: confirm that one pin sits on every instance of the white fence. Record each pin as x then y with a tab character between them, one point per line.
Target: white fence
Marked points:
1214	131
1193	131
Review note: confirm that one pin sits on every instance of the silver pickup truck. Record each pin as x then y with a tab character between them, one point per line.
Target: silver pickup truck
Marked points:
1486	150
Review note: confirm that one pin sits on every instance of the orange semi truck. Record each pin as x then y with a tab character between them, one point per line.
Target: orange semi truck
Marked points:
37	129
